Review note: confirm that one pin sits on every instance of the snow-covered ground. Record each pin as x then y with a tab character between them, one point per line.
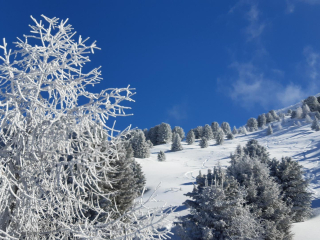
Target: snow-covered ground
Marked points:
177	174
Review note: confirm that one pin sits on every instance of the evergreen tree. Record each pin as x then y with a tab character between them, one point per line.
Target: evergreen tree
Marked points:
207	132
312	103
139	145
308	118
149	143
203	142
317	115
289	112
198	132
263	196
220	137
274	115
164	133
279	126
145	131
225	127
262	120
161	156
176	143
180	131
215	127
230	136
153	134
254	150
252	125
190	137
298	113
305	110
269	118
294	114
269	130
315	124
294	188
234	131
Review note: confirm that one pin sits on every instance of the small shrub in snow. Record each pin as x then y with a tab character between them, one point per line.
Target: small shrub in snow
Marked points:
315	124
203	142
176	143
279	127
269	130
190	137
269	118
215	127
230	136
161	156
299	113
262	120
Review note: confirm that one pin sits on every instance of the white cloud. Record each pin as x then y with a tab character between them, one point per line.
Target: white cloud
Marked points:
312	62
291	4
178	112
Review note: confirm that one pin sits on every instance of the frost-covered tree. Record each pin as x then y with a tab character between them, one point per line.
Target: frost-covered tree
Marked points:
215	127
262	120
317	115
225	127
243	130
164	133
252	124
269	118
294	188
153	134
293	114
203	142
234	130
297	113
190	137
279	126
305	110
269	130
315	124
198	132
230	136
219	137
54	151
312	103
308	118
207	132
180	131
289	112
145	131
299	123
274	115
149	143
161	156
176	143
139	145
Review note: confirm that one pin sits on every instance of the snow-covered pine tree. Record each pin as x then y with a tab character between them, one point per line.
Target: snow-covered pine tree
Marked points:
308	118
161	156
262	120
219	137
263	196
180	131
317	115
294	188
225	127
139	145
190	137
203	142
145	131
269	118
176	143
215	127
274	115
289	112
252	124
315	124
299	123
61	144
153	134
269	130
164	133
207	132
298	113
254	150
198	132
149	143
234	130
279	126
219	212
305	110
293	114
312	103
230	136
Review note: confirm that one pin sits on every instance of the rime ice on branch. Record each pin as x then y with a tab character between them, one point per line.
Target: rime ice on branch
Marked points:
54	152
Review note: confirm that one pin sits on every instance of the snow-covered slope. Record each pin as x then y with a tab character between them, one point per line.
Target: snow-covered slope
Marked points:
177	174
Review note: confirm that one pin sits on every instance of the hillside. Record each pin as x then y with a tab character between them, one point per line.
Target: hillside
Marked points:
177	174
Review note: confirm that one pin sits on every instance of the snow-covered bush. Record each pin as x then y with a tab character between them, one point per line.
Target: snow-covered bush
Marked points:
140	147
234	130
308	118
180	131
176	143
190	137
315	124
215	127
56	151
164	133
203	142
230	136
262	120
198	132
312	103
274	115
252	124
279	126
161	156
305	110
269	130
269	117
149	143
225	127
219	137
207	132
153	134
317	115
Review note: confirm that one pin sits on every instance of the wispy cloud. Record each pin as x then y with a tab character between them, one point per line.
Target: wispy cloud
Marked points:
255	27
291	4
312	62
178	112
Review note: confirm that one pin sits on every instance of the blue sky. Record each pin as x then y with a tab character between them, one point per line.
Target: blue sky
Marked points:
193	62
